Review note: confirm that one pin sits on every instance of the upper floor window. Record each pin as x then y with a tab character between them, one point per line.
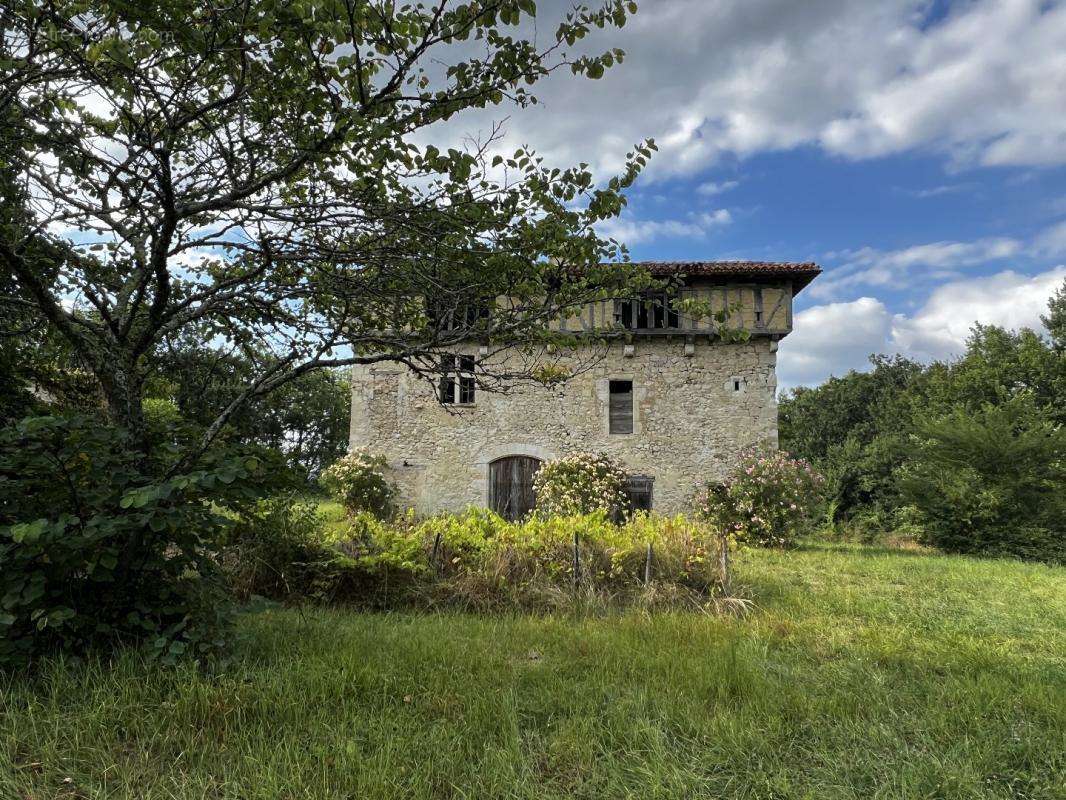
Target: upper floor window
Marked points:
456	315
650	311
620	407
457	383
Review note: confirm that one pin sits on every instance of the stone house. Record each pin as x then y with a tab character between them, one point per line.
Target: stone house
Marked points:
673	399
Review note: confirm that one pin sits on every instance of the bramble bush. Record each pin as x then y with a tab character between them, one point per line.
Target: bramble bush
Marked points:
358	481
100	546
769	500
583	483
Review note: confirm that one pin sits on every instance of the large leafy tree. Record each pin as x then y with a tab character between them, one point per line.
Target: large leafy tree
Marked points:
862	428
247	169
306	419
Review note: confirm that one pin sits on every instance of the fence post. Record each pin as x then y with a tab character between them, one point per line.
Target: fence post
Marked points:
577	561
647	566
433	557
723	563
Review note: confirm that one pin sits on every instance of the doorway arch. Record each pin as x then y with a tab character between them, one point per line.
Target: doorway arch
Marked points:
511	485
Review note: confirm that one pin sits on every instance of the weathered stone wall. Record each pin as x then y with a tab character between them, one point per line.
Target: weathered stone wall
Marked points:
689	421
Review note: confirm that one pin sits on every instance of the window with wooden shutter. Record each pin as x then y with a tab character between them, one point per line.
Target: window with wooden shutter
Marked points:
639	492
620	407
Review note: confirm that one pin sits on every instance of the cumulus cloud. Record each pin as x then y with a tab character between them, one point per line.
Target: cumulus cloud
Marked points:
939	329
833	338
984	83
631	230
711	188
871	267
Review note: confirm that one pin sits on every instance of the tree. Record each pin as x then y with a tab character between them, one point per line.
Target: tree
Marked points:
991	481
874	434
249	170
854	429
306	418
1055	319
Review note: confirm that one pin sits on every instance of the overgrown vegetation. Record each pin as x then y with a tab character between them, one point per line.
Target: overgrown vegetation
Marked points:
476	560
100	548
968	455
860	673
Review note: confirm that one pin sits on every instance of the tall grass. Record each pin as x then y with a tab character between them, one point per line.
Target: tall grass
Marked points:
861	673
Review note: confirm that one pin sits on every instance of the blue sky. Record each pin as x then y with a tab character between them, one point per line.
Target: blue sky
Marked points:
916	150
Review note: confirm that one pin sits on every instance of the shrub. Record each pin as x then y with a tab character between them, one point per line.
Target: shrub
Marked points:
276	549
358	481
98	547
769	500
990	483
583	483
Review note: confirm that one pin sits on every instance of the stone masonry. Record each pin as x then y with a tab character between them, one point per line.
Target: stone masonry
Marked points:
697	399
690	421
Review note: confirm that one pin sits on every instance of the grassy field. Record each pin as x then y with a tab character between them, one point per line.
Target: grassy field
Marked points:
860	673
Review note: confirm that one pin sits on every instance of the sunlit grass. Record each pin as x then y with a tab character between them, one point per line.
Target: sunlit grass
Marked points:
860	673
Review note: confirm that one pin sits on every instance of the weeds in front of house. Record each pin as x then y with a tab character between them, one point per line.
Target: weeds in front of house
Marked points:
476	560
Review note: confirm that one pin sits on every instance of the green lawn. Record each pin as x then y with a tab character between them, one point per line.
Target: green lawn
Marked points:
861	673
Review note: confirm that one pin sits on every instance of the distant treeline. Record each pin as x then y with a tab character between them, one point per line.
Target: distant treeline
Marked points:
303	425
970	453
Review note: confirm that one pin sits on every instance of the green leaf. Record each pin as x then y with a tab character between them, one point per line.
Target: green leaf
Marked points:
28	532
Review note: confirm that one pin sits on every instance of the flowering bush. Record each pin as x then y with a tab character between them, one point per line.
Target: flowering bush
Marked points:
358	481
580	484
767	501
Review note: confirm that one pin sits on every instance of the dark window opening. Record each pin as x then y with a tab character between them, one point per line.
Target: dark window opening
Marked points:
651	311
638	493
620	408
458	315
736	384
457	382
758	316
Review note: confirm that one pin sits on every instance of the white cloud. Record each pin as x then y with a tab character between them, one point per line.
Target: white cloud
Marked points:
833	338
939	329
871	267
631	231
1052	242
711	188
937	191
706	78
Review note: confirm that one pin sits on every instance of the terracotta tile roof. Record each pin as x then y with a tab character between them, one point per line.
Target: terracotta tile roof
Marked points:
799	274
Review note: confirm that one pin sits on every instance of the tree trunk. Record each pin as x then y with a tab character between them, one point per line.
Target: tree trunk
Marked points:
123	387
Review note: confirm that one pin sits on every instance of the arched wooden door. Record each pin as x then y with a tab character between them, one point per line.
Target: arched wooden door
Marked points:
511	486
